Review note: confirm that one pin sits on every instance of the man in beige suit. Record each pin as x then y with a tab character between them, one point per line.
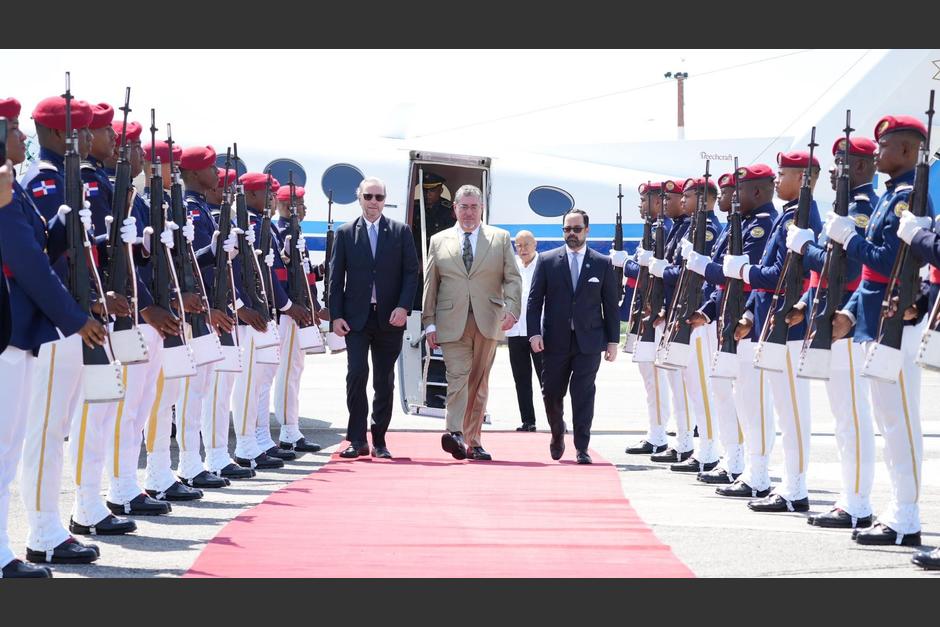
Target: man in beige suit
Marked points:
472	291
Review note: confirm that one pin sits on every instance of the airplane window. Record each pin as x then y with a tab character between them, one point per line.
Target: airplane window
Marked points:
550	201
343	179
282	168
239	165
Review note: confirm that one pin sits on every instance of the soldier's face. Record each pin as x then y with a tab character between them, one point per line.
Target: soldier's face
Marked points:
469	212
891	155
16	142
207	178
688	201
135	155
433	195
657	206
84	142
214	194
102	142
724	199
673	205
787	185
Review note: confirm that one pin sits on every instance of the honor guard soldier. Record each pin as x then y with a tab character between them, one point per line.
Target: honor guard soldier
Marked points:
790	393
847	390
37	310
438	215
895	405
291	368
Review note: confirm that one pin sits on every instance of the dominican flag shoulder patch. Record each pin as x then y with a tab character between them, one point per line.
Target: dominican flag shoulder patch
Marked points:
43	188
91	189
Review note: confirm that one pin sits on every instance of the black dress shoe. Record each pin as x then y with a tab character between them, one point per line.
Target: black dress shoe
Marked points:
453	443
692	465
556	449
234	471
928	560
301	446
776	503
110	525
670	456
884	535
718	475
18	569
280	453
584	458
526	427
381	452
141	505
741	489
478	453
176	492
205	480
644	447
355	449
69	552
839	519
261	462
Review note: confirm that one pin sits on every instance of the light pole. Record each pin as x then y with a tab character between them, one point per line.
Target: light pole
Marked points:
680	79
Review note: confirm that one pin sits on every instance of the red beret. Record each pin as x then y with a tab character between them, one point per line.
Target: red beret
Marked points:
754	172
693	183
726	180
9	108
859	146
795	159
50	112
275	185
163	151
134	129
232	175
674	186
651	187
257	181
197	158
283	193
892	123
101	115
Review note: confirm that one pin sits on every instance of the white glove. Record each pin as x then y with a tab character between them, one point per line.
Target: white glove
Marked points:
686	248
797	238
108	220
697	263
839	228
618	257
230	245
85	216
732	265
250	236
269	259
658	266
166	238
129	230
147	240
63	211
644	257
306	264
189	231
301	244
910	224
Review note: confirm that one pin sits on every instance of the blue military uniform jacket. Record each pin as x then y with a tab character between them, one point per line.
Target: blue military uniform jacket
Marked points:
282	226
278	270
877	251
631	270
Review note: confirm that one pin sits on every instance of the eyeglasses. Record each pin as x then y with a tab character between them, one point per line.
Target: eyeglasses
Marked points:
569	229
379	197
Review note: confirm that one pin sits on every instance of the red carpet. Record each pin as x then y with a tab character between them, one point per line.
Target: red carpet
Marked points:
425	514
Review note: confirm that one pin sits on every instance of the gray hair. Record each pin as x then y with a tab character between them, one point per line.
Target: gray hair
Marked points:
468	190
370	180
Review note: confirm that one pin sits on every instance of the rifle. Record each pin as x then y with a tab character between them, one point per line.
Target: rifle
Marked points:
885	358
334	342
816	355
618	236
636	304
223	294
645	350
771	350
731	307
298	287
128	342
271	355
678	334
102	381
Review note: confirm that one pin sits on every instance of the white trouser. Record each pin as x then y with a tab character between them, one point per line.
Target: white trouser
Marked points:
132	415
729	430
189	402
91	435
679	399
16	372
266	374
896	408
700	404
791	403
287	383
657	402
159	425
752	400
215	419
55	392
245	400
855	437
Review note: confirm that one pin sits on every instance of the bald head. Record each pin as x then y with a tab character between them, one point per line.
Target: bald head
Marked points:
525	246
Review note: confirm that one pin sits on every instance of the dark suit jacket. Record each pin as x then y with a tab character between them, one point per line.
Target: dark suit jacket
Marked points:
353	270
592	306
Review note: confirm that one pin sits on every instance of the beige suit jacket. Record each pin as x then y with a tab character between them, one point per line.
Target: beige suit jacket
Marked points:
493	284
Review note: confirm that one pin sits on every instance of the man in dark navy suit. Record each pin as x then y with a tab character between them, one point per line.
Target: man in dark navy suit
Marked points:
579	291
373	278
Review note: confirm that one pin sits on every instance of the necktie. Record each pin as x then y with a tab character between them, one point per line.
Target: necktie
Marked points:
575	273
373	238
467	252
